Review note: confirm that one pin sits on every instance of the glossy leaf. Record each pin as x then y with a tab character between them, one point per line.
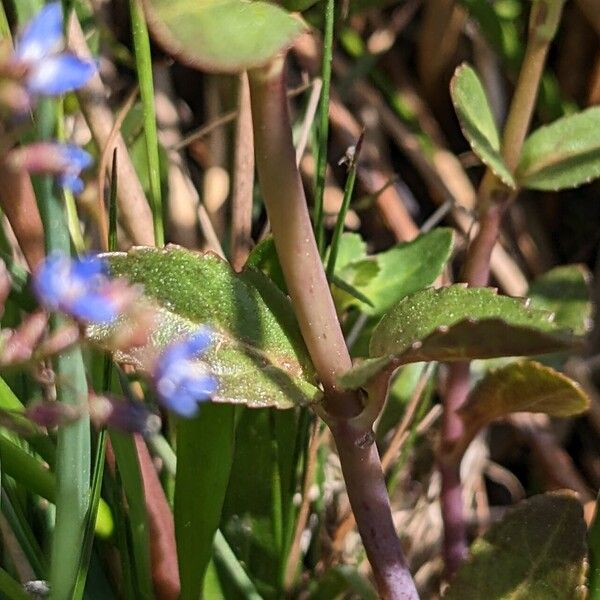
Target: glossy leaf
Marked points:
221	36
458	323
564	154
477	121
393	274
522	386
537	551
566	292
259	358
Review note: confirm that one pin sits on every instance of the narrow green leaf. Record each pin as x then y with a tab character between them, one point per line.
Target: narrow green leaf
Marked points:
27	469
221	35
458	323
566	292
226	557
477	121
73	440
594	555
564	154
350	290
537	551
88	539
522	386
259	506
205	450
260	356
389	276
11	589
143	60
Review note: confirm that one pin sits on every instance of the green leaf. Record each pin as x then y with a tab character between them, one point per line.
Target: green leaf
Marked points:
264	258
205	450
477	121
259	513
342	581
522	386
10	588
458	323
352	248
222	35
566	292
594	554
564	154
395	273
259	356
536	552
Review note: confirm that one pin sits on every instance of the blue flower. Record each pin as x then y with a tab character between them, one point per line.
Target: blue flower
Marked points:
181	380
65	160
75	160
49	72
80	288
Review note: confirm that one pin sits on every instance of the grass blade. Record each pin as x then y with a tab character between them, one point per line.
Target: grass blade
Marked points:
143	61
324	122
205	451
11	589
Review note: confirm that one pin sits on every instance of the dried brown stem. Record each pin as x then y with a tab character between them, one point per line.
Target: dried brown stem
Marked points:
243	180
19	204
134	211
291	568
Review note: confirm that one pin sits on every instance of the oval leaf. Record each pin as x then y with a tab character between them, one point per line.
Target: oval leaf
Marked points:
458	323
477	121
523	386
566	292
537	551
562	155
221	36
389	276
260	358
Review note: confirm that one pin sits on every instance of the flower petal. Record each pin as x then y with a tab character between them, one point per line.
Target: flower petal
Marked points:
42	36
71	182
55	75
91	308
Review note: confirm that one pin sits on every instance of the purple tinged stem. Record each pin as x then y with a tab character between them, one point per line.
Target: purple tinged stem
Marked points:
494	199
311	299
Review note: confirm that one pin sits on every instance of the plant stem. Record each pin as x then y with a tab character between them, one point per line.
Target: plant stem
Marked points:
494	199
308	288
143	61
294	239
324	121
243	179
73	445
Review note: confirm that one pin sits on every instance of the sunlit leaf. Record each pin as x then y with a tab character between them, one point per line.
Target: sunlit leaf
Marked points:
259	358
221	36
522	386
537	551
564	154
458	323
477	121
390	275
